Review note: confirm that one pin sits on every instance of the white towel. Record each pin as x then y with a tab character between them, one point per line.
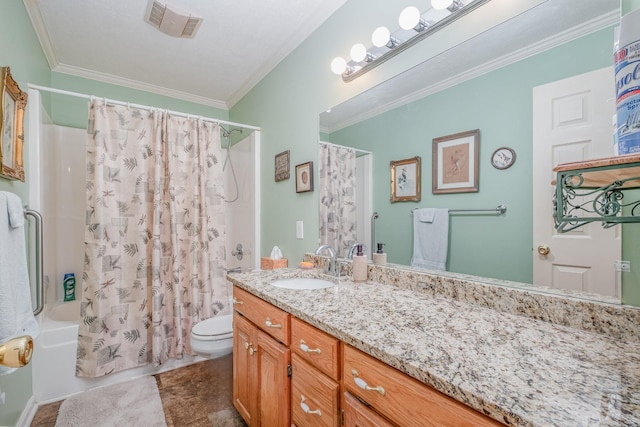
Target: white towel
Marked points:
430	238
16	313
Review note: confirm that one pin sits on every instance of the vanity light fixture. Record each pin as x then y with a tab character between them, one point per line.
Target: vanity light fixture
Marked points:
359	53
382	37
386	44
411	18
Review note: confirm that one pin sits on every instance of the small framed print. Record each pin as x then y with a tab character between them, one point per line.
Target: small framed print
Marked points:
304	177
282	166
13	103
405	180
455	163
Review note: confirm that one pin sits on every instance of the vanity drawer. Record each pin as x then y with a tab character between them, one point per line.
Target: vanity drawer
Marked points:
267	317
321	350
314	397
402	399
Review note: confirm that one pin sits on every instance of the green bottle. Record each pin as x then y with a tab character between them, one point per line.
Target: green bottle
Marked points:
69	284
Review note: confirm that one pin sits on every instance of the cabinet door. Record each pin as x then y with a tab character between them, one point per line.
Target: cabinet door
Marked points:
356	414
274	382
245	369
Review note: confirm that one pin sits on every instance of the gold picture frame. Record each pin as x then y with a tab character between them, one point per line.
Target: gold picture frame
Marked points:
455	163
406	180
304	177
13	102
282	166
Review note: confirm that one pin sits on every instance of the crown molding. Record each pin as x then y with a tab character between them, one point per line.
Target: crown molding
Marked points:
533	49
134	84
33	11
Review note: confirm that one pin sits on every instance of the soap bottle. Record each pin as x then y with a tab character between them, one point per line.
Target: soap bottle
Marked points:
380	257
359	266
69	285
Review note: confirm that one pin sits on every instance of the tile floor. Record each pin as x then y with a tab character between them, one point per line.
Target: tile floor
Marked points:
199	395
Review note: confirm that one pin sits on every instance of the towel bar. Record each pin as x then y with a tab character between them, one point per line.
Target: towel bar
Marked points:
499	210
39	267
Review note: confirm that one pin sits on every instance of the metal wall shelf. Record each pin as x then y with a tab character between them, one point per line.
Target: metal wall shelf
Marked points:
594	190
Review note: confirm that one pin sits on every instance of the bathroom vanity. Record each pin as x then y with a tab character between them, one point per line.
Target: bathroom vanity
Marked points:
414	348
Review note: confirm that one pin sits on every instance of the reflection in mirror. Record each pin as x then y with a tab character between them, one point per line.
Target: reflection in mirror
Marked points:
486	83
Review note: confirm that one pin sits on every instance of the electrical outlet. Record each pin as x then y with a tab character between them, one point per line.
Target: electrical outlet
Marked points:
624	266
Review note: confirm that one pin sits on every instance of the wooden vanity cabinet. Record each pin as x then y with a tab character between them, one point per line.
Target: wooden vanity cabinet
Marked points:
401	399
261	382
357	414
315	391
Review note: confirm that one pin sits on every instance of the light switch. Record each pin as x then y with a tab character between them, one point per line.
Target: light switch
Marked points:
299	230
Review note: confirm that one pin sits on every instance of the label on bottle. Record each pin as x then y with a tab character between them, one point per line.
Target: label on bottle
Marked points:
69	286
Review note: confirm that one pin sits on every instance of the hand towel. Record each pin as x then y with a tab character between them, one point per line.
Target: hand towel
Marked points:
430	238
16	312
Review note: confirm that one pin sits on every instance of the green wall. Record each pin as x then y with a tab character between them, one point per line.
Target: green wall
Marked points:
500	105
20	50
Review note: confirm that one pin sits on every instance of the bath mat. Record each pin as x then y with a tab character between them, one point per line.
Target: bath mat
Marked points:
132	403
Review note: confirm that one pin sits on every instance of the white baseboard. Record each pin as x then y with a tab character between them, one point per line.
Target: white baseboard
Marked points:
28	413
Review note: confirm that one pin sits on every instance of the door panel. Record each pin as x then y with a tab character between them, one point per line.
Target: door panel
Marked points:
572	121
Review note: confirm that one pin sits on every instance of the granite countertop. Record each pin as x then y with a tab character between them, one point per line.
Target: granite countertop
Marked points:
518	370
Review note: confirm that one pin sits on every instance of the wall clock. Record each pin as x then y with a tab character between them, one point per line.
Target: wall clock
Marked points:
503	158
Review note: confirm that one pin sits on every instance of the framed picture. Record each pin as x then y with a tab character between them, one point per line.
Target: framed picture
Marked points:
304	177
455	163
405	180
13	102
282	166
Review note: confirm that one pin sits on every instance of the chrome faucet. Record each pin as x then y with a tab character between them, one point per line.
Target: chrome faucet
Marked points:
331	265
353	247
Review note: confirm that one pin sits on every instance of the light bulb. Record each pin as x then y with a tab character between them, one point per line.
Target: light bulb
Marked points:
358	52
409	18
380	36
441	4
338	65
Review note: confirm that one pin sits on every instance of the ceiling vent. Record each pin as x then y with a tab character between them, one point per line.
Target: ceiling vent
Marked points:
172	21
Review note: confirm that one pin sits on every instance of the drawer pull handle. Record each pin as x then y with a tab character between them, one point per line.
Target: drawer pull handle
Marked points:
363	384
304	347
236	302
272	325
306	408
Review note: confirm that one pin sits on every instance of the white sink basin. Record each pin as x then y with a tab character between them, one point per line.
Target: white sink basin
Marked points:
302	283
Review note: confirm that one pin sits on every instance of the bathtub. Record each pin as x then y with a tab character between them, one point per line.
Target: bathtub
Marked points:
54	358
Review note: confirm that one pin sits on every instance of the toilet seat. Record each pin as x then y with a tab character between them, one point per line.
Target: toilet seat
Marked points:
214	329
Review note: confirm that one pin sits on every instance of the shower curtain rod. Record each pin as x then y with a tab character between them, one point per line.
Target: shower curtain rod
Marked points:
342	146
143	107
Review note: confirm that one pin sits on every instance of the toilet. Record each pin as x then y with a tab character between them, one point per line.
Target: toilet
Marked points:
213	337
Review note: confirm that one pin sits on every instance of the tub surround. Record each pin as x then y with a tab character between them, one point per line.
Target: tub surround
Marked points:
520	357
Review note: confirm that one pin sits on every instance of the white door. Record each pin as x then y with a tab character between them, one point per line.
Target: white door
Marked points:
572	121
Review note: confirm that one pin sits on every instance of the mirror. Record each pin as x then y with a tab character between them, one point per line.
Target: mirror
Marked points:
484	83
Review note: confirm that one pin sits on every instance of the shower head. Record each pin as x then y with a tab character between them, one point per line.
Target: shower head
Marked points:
227	133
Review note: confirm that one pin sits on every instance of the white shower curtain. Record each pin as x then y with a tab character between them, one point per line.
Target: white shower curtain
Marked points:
154	239
337	198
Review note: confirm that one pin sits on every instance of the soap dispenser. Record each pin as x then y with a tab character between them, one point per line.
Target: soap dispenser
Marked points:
380	257
359	266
